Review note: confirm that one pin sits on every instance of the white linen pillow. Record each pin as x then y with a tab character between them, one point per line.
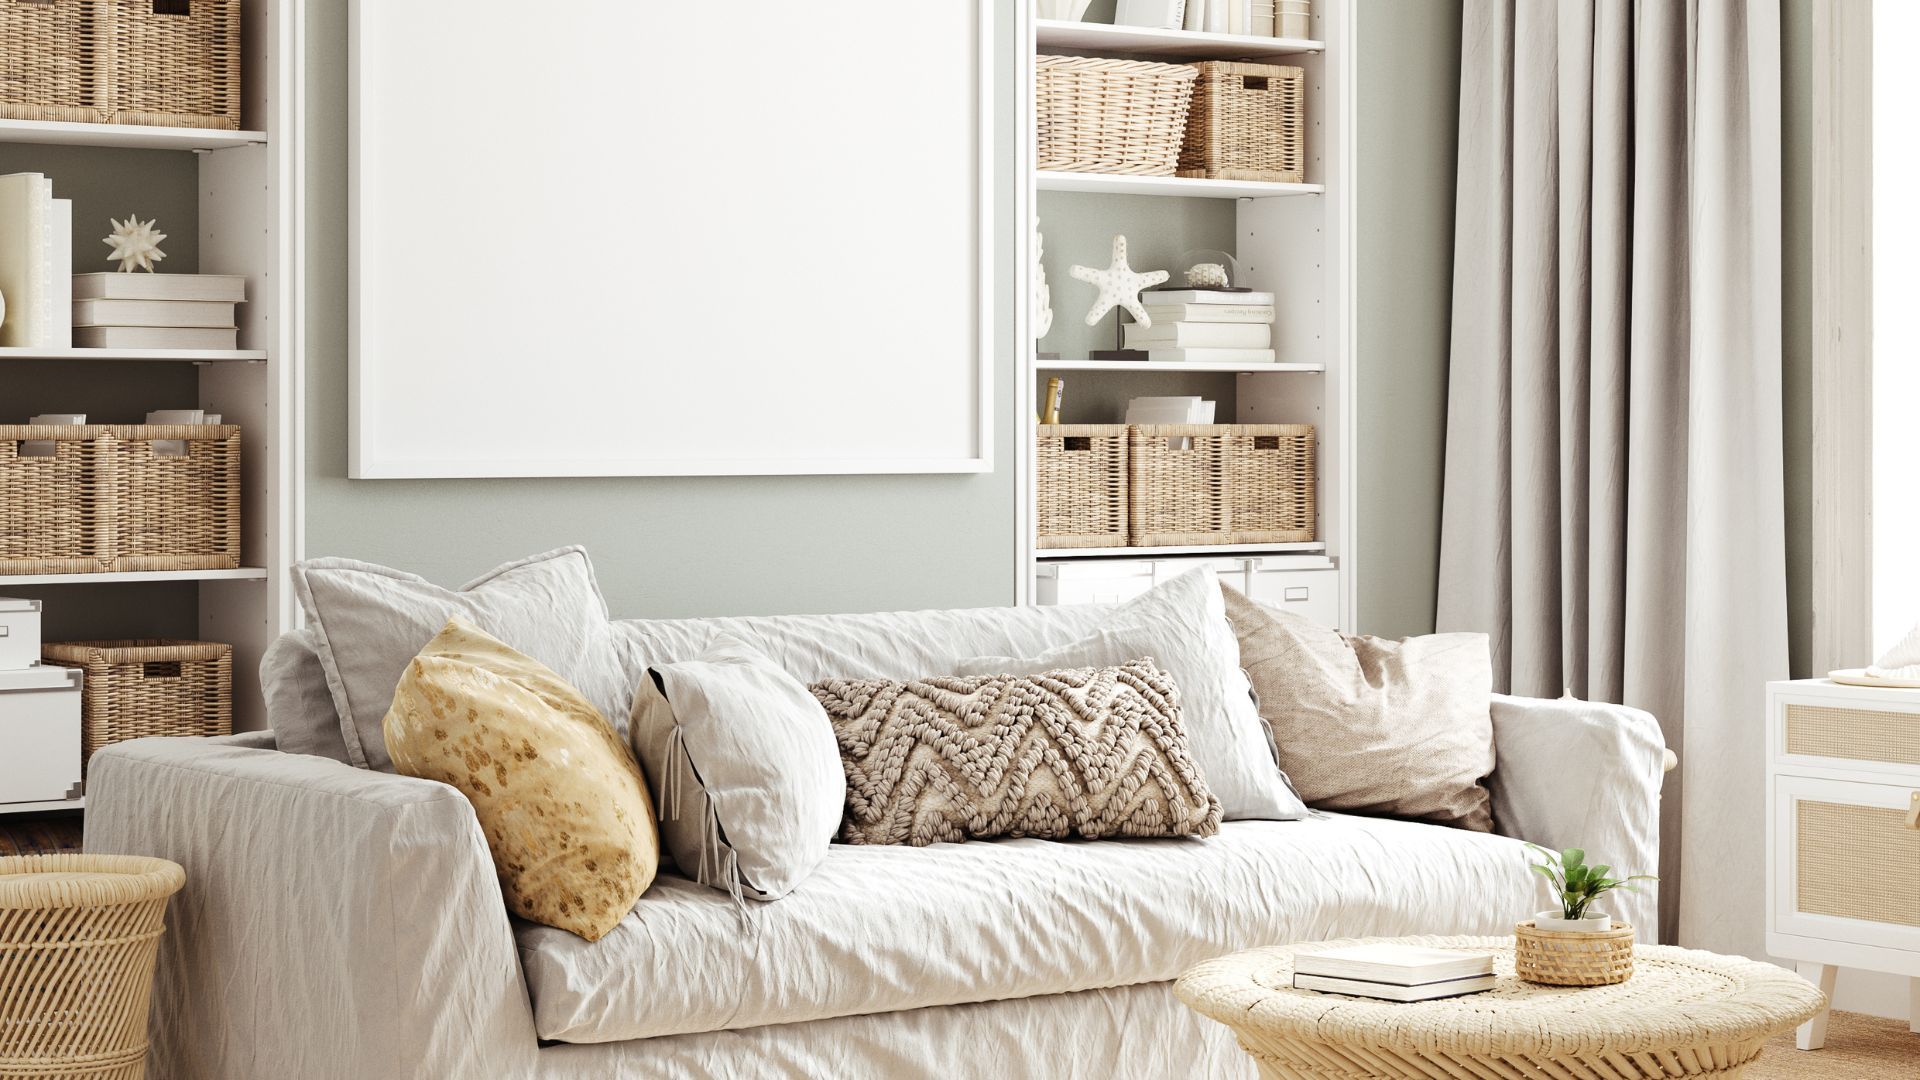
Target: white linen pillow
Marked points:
744	767
1183	626
370	621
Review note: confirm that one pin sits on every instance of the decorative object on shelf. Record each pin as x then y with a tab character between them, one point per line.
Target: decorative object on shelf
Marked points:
79	935
1248	122
1080	485
140	688
1101	115
1119	285
1207	276
1210	268
1154	14
1062	10
1050	409
135	244
1042	313
1293	19
1215	323
157	311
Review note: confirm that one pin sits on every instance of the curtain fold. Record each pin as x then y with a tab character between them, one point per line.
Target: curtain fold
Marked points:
1613	514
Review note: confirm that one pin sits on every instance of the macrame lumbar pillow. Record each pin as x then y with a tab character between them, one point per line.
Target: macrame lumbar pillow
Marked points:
1090	752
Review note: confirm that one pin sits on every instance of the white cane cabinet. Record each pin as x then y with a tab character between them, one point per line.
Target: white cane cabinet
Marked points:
1843	833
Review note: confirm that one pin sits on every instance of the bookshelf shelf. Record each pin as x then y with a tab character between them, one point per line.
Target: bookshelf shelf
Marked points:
245	573
1186	44
1177	365
124	136
1186	187
1222	550
192	356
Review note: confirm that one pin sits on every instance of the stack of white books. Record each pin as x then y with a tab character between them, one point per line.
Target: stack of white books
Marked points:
1394	972
36	263
1169	410
156	311
1205	326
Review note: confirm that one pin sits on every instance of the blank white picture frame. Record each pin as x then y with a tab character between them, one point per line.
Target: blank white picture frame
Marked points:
603	238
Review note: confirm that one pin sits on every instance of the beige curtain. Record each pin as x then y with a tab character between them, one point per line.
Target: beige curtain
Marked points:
1613	507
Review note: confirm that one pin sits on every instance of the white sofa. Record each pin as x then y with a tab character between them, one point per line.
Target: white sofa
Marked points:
345	923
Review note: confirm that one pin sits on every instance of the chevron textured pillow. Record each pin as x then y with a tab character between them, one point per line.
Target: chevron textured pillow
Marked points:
1090	752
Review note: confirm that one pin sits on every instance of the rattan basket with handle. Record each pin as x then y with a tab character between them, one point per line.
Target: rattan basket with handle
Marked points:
173	63
78	938
1101	115
1249	122
139	688
1271	487
176	497
1572	958
56	510
50	61
1193	484
1080	485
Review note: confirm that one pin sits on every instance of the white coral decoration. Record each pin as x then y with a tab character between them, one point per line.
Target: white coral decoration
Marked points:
1042	315
1207	276
135	244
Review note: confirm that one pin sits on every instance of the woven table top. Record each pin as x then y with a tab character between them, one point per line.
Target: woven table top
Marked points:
1676	997
45	882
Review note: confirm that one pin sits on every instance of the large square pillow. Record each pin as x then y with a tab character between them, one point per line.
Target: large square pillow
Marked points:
1183	626
1399	728
370	621
557	792
744	767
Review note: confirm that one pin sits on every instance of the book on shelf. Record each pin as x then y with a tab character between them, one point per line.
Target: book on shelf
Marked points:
26	211
1210	313
1174	335
1210	356
1391	963
1170	410
60	276
212	288
1327	984
154	337
1163	297
179	313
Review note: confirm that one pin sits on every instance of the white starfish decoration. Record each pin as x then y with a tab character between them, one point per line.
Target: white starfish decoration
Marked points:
135	244
1119	285
1042	314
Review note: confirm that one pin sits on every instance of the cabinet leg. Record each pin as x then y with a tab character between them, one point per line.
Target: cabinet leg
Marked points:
1813	1034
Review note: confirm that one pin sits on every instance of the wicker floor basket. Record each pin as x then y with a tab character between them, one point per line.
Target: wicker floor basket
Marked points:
1192	484
1601	958
53	506
1080	474
174	63
1110	116
78	939
50	66
141	688
1249	122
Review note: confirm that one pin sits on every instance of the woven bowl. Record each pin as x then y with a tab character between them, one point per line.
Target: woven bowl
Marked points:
1558	958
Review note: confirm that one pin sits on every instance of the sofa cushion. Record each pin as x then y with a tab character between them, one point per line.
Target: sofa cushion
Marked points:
299	707
880	929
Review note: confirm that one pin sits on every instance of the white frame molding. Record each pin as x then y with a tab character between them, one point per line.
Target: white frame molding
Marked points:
1842	332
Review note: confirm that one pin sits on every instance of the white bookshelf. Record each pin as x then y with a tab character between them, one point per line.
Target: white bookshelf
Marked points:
250	222
1294	240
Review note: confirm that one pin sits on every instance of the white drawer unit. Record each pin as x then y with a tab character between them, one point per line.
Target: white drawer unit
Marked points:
1843	833
40	734
1313	592
19	633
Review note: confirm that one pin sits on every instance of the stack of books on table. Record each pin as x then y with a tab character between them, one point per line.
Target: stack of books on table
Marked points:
1205	326
156	311
1394	972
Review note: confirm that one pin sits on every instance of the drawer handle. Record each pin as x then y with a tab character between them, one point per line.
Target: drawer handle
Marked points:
1913	811
1295	592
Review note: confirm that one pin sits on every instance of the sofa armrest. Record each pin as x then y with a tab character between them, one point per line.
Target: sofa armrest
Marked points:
335	922
1584	774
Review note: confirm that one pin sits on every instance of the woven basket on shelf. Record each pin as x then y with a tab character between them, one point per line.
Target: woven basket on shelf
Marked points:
78	939
176	510
54	516
50	64
1271	490
1601	958
1110	116
1080	485
141	688
173	62
1249	122
1191	484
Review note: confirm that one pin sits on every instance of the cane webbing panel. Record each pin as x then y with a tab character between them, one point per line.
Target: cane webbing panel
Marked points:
1857	734
1857	862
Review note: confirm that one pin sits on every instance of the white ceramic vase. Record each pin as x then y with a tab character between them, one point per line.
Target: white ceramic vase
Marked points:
1595	922
1067	10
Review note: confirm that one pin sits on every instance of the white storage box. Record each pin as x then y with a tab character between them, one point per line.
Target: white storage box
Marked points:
40	731
1314	594
19	633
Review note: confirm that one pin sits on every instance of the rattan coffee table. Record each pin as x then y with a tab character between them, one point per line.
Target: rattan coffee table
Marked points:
1683	1013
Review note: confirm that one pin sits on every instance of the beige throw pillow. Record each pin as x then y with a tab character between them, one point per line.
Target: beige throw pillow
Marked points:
1089	752
1363	724
559	797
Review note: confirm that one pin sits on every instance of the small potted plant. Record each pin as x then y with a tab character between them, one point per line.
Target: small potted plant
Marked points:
1578	886
1575	945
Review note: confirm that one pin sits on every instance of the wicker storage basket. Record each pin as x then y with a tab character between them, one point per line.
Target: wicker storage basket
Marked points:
173	62
1249	122
50	61
1601	958
176	511
135	689
1080	473
53	517
1110	116
78	938
1271	496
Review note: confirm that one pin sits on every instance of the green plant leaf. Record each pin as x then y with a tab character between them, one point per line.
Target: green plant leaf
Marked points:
1573	857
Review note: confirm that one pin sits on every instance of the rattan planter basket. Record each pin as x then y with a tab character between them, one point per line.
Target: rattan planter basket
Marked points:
1249	122
1553	958
1080	485
140	688
78	937
1110	116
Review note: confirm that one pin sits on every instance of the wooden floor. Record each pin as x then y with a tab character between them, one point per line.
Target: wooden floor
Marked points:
1858	1048
40	834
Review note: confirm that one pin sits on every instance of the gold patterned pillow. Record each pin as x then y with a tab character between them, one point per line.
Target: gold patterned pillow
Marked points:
563	805
1089	752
